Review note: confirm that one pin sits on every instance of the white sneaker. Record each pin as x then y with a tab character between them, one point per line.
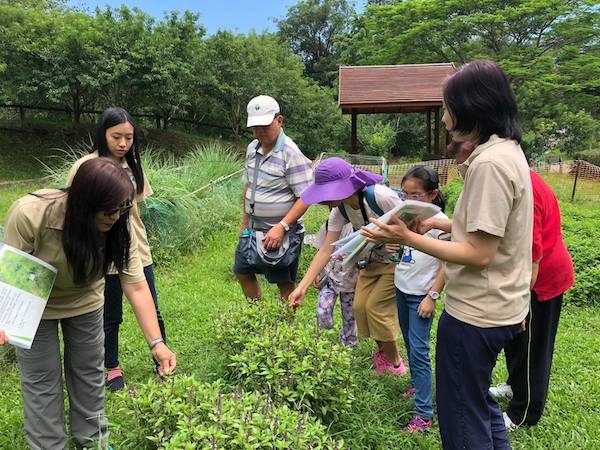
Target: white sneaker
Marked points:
509	424
501	390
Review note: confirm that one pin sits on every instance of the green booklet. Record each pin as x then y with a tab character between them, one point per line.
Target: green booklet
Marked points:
25	285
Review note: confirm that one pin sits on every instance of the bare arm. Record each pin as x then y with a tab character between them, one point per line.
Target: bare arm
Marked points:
141	301
3	338
535	269
245	218
436	223
426	308
478	250
274	236
295	212
318	263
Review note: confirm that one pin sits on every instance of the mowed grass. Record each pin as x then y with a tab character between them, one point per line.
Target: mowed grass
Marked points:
199	288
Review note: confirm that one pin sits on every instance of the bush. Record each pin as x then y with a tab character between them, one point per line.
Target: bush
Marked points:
586	291
182	413
295	364
451	192
377	136
592	156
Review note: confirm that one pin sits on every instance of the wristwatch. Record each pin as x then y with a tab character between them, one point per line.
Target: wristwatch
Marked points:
285	226
434	295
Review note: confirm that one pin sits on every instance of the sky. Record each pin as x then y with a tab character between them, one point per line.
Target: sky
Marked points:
240	16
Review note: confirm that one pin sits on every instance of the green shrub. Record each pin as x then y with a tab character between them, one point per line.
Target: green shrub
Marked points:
274	353
182	413
586	291
451	192
592	156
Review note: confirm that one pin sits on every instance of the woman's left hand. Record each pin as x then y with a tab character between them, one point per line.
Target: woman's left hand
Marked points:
165	357
393	232
426	308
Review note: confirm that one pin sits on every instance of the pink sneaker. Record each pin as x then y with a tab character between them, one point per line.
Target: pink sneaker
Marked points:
410	392
418	424
383	366
379	362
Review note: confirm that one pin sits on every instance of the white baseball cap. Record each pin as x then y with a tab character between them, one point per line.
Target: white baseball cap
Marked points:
262	111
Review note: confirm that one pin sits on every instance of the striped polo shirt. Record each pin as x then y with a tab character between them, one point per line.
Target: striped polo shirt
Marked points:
282	176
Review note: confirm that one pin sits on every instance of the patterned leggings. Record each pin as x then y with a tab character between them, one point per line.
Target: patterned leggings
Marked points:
326	301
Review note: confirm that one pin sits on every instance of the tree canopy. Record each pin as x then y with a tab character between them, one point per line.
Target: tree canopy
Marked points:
55	56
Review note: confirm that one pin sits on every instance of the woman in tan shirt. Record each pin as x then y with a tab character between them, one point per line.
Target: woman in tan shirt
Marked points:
117	138
82	231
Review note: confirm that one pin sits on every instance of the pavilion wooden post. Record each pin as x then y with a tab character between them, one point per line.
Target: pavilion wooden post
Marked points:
436	137
429	130
354	142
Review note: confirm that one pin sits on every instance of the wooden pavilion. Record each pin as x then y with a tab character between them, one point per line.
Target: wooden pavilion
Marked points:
406	88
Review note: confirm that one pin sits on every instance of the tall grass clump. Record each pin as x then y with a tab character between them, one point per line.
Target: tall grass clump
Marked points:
182	413
191	199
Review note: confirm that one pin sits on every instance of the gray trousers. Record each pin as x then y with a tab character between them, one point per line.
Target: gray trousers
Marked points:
42	385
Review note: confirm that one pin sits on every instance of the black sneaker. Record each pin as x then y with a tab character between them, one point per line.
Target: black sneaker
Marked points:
114	379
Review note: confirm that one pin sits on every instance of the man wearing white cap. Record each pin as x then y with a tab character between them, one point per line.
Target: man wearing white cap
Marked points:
276	174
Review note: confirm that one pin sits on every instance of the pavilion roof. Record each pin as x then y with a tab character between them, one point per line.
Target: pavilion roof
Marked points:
398	88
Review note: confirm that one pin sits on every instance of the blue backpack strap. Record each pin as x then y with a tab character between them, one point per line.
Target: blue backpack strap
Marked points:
343	211
369	193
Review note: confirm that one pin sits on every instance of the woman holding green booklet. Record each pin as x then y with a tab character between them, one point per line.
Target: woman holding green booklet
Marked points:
81	230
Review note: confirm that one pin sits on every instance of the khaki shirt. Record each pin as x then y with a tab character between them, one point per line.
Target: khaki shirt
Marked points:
496	199
135	219
34	225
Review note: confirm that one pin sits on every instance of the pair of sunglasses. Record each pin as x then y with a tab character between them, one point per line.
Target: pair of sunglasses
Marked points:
123	208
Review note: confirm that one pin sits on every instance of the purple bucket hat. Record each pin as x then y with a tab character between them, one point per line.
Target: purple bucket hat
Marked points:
336	179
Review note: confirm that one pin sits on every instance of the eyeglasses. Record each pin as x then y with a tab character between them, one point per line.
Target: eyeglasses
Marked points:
122	209
405	196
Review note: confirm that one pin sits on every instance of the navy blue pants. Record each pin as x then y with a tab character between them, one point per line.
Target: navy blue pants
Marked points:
113	315
469	418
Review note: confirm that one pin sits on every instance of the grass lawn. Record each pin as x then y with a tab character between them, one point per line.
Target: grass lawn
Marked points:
199	288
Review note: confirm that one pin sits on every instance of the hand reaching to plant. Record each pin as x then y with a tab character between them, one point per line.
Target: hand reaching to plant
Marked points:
165	357
297	296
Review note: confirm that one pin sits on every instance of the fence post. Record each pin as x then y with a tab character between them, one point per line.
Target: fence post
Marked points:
577	164
22	116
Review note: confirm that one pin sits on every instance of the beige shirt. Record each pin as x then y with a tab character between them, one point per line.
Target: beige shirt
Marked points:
34	225
135	219
496	199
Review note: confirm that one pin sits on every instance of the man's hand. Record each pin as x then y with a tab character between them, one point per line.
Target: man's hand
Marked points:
394	232
296	297
274	237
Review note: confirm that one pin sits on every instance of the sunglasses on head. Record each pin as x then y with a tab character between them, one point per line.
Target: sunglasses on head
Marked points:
122	209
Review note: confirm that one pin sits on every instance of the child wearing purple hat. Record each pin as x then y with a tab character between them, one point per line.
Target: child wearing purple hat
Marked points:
337	182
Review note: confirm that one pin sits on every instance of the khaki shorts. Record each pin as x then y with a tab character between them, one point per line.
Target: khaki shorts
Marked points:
374	306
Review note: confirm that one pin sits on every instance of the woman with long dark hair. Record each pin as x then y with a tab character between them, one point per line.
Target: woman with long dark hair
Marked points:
82	231
117	138
488	262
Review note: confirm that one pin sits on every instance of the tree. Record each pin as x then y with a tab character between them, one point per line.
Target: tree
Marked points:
313	29
541	44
